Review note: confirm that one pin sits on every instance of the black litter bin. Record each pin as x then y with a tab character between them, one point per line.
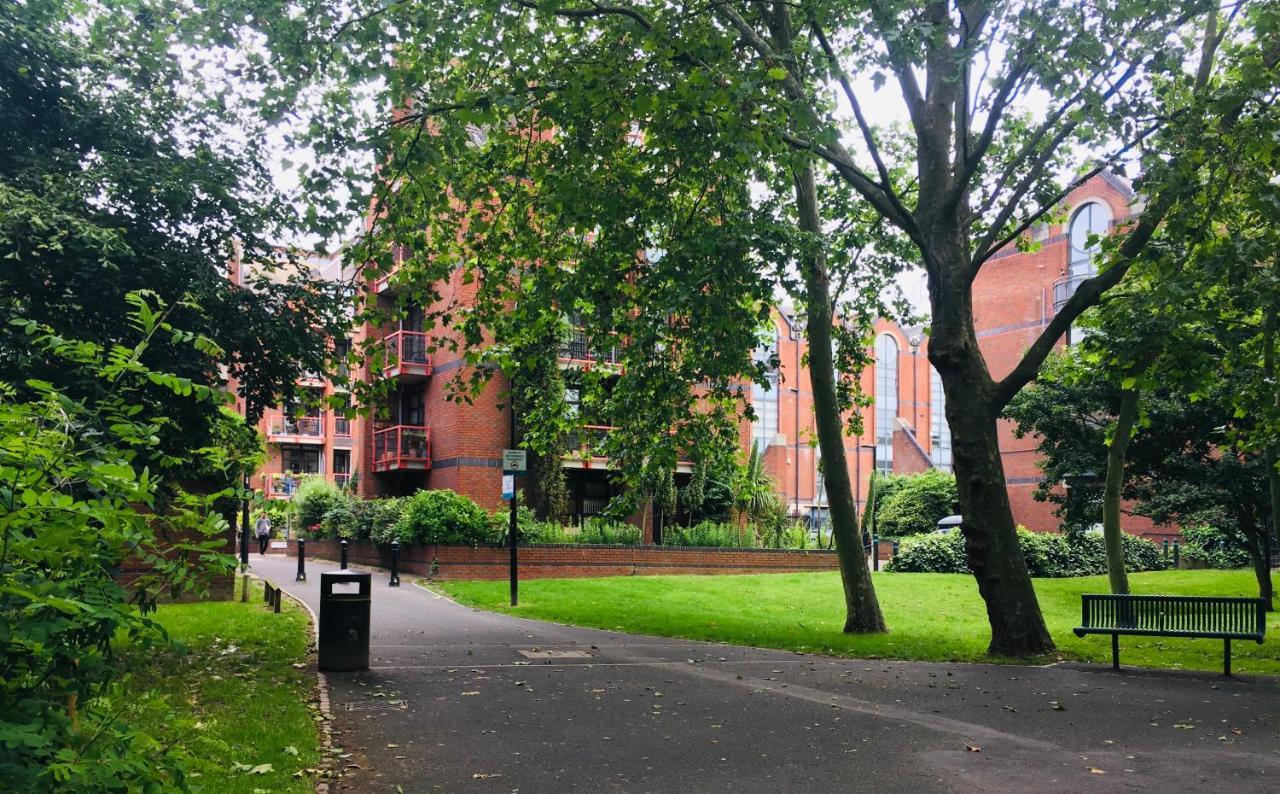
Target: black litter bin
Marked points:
344	622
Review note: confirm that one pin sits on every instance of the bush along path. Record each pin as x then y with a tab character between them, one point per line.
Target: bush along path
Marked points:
457	699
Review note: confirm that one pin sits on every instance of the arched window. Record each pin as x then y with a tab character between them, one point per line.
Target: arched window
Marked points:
1092	218
764	397
939	430
886	399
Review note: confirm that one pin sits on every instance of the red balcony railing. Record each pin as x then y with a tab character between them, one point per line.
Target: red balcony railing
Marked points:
406	355
401	447
296	429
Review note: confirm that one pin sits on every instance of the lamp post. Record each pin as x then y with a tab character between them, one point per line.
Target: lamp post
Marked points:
798	322
915	341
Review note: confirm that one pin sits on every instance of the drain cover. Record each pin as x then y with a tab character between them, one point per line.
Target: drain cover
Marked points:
555	654
377	705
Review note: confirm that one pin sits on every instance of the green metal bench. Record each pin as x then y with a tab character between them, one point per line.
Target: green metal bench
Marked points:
1210	617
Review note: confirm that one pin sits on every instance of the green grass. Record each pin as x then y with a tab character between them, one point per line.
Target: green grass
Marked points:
937	617
229	694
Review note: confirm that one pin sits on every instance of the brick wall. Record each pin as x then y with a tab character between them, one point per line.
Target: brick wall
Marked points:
572	561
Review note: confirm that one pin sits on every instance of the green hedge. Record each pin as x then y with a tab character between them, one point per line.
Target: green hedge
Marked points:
315	497
915	504
1047	555
1212	548
443	517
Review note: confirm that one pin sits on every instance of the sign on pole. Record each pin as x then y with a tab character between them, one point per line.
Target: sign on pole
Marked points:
508	486
514	461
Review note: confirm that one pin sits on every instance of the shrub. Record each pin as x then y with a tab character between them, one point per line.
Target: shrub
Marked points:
443	518
932	553
339	521
708	533
315	497
599	530
915	504
1047	555
1212	547
531	529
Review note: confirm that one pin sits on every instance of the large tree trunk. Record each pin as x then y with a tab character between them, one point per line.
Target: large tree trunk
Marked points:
1112	535
990	537
973	404
862	609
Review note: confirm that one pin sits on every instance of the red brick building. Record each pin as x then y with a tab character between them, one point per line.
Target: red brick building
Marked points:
429	441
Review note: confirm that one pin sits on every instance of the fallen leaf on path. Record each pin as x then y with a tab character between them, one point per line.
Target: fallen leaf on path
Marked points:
1096	771
470	693
973	748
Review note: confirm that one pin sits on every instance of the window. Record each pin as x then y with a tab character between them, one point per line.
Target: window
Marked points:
342	461
1091	219
413	408
764	397
301	460
939	430
886	399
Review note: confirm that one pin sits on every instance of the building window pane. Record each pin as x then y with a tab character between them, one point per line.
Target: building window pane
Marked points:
764	397
939	430
1091	219
886	399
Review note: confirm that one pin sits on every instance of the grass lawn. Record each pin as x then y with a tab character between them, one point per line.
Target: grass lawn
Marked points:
937	617
230	698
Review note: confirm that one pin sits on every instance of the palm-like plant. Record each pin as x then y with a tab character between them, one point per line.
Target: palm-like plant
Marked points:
754	493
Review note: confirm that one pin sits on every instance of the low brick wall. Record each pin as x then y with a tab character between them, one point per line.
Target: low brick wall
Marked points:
567	561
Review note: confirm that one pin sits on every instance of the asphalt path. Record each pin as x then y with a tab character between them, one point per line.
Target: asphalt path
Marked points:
458	699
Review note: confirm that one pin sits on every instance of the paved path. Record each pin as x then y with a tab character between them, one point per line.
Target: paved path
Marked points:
462	700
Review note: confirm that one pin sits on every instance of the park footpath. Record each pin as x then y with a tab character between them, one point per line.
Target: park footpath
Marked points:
458	699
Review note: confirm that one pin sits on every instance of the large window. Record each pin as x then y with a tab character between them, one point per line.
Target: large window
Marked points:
939	430
886	399
1091	219
764	397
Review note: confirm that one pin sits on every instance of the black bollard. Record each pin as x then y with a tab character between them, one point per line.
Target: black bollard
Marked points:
395	564
875	552
302	561
895	550
279	595
343	544
1164	553
1176	549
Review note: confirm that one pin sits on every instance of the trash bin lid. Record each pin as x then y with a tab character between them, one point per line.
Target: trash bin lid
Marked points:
329	578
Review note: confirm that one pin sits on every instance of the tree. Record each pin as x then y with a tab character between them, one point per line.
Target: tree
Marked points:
1182	469
117	175
710	133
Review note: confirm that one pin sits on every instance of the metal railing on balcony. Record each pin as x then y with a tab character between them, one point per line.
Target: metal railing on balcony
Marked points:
283	485
588	441
406	354
1064	288
296	427
401	447
578	348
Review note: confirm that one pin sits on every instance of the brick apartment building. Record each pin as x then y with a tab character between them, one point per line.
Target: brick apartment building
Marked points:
429	441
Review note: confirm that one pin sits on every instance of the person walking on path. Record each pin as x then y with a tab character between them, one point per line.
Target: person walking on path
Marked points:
264	534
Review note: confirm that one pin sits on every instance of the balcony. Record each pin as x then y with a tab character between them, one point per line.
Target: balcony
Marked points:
295	430
406	357
402	448
584	449
1064	288
578	350
385	282
282	485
